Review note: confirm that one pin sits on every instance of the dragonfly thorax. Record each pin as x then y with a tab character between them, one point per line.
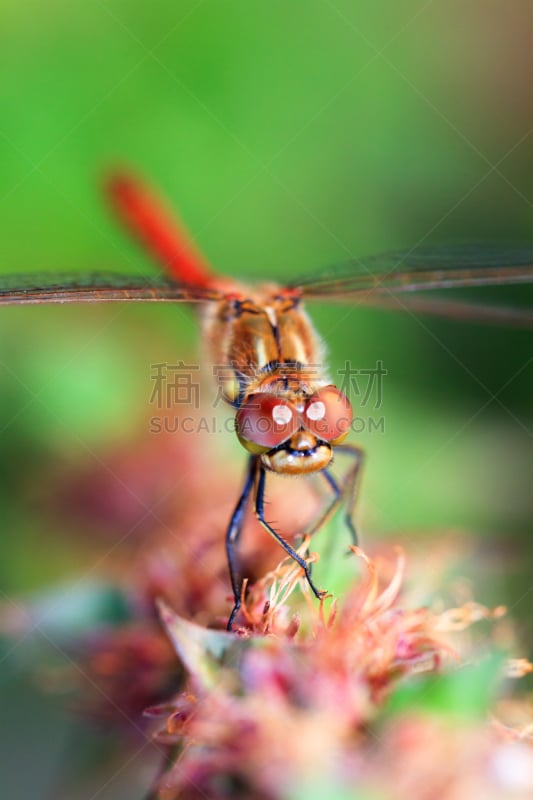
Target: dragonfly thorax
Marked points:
252	340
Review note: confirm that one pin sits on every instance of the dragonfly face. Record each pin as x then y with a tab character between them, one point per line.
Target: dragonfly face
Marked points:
293	431
289	416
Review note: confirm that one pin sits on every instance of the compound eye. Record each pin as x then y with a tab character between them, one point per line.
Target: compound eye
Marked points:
266	420
328	414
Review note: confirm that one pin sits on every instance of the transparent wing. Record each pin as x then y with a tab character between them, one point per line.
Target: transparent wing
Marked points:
422	269
514	316
394	280
100	287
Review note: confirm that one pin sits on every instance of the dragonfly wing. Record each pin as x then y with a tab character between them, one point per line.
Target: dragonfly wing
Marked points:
97	288
510	316
422	269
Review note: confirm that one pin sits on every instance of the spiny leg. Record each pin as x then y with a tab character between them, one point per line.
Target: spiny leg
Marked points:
347	491
350	485
260	513
232	537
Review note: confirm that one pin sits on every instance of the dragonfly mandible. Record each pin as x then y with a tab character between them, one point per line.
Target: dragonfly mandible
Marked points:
290	418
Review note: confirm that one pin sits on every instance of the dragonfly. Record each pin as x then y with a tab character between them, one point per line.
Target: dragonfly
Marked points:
289	417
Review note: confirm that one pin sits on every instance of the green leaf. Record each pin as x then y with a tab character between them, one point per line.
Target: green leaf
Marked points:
464	694
205	653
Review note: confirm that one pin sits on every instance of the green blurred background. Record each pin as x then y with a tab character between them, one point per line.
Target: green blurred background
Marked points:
290	136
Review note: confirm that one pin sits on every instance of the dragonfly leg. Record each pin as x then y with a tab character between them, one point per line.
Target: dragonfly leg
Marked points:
350	485
260	513
232	537
345	491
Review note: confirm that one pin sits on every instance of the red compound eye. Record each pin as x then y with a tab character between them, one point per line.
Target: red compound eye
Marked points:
266	420
328	414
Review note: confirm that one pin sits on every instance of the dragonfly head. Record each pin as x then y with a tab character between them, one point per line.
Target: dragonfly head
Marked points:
294	434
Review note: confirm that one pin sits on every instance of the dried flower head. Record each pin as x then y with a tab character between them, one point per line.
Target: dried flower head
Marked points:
295	701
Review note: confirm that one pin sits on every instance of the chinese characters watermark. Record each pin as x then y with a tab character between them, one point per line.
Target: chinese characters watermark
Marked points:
173	384
366	384
177	384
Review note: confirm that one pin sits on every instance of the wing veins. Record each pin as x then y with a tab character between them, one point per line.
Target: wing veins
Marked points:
98	287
